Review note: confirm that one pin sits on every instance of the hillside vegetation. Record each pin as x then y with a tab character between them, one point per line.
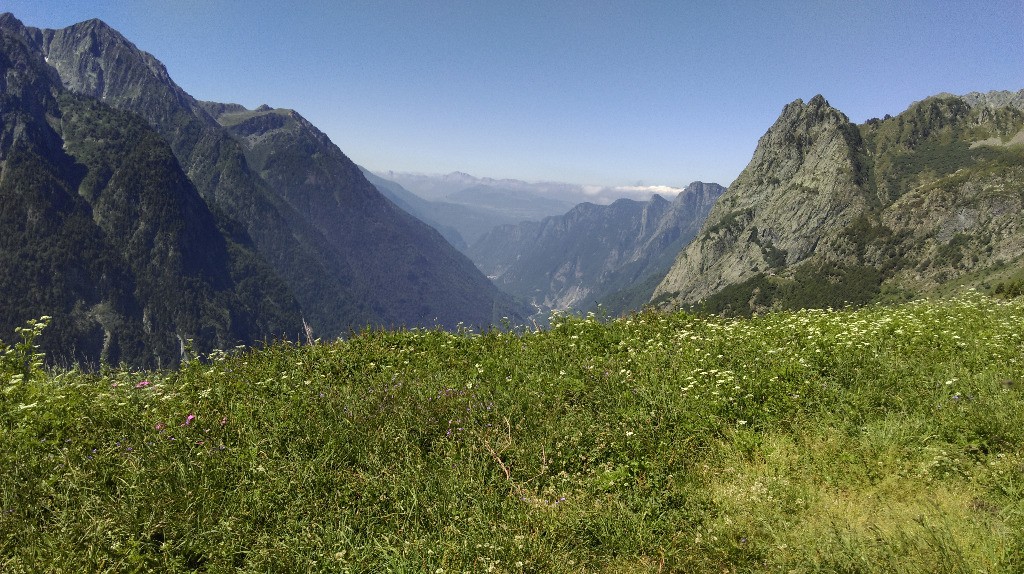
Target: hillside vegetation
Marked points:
871	440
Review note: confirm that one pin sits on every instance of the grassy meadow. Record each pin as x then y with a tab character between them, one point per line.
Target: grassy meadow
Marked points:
881	439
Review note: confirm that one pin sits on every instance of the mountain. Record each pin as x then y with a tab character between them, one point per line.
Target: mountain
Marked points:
101	228
593	251
413	276
349	256
467	205
456	223
519	205
441	186
828	212
472	205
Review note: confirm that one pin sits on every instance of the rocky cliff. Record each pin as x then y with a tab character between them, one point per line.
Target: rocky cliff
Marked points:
828	212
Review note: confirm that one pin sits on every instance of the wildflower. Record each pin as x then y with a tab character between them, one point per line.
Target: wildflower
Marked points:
160	426
142	384
223	421
188	420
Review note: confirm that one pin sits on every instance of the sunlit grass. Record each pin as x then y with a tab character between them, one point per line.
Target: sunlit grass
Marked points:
872	440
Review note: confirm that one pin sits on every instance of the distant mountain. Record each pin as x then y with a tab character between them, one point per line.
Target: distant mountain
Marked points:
101	228
564	195
441	186
456	223
472	206
829	212
593	251
519	205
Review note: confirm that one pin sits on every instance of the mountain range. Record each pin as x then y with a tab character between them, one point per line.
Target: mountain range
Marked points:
141	218
458	223
146	221
578	259
828	212
474	205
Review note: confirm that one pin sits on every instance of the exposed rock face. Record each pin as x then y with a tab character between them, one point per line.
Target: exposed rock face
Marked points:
994	99
593	250
795	196
827	212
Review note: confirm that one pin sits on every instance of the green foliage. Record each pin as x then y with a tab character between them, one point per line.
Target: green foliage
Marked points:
1009	289
775	257
630	299
740	299
23	360
883	439
813	285
932	140
730	221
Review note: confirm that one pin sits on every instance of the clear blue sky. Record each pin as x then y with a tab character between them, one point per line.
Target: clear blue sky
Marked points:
596	92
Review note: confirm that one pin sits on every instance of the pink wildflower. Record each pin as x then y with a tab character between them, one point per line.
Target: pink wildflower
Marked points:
188	420
142	384
160	426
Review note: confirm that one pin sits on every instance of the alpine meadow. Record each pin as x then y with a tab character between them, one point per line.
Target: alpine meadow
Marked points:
226	347
884	439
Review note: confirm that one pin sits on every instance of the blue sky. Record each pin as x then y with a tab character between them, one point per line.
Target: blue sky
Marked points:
598	92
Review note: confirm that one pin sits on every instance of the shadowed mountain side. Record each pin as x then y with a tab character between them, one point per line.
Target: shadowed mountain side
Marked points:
96	60
102	230
416	278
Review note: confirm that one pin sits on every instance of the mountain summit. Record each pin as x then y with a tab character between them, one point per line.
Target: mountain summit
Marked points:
828	212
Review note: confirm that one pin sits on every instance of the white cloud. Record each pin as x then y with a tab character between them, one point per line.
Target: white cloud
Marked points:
649	189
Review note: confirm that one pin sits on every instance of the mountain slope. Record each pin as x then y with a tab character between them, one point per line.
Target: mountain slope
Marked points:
430	212
414	276
337	288
593	250
97	61
102	229
828	212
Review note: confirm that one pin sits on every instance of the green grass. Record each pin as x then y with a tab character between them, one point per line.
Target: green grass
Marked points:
871	440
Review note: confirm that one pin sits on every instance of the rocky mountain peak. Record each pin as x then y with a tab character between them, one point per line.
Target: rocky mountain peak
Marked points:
993	99
698	189
10	21
95	60
799	189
